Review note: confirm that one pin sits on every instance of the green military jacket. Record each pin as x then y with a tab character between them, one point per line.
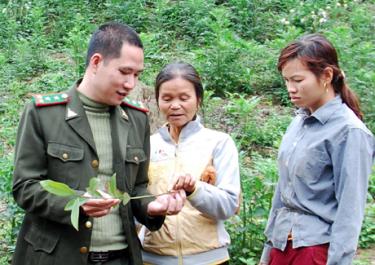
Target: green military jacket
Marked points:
54	141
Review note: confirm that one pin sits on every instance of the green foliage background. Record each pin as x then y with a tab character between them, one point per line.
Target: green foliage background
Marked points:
234	44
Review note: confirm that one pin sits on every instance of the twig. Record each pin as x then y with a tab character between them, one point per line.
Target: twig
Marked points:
149	196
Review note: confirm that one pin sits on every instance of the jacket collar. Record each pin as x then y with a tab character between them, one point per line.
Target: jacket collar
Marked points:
75	116
189	129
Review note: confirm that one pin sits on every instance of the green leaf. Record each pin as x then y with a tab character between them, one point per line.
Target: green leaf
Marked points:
74	205
93	187
57	188
125	198
69	205
112	188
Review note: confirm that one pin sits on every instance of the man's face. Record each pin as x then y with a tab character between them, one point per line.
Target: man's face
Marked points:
115	78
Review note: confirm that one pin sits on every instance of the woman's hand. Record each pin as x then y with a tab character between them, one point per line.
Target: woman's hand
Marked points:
185	182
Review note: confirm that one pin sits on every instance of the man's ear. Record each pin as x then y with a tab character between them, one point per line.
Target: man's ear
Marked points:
95	60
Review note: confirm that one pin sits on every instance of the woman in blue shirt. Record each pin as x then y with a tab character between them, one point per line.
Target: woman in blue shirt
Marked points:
324	162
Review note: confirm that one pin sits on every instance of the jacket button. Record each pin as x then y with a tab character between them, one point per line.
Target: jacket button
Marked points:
95	163
83	250
65	156
88	224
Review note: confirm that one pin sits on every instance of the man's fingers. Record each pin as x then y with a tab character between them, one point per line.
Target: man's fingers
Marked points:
102	203
182	194
172	205
158	206
176	202
99	207
97	213
180	200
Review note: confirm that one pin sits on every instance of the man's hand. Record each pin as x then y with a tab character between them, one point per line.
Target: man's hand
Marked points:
99	207
185	182
167	204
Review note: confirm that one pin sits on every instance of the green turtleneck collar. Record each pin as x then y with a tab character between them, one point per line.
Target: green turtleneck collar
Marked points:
91	105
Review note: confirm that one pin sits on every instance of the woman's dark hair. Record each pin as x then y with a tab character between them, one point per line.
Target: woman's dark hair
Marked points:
180	70
109	38
317	53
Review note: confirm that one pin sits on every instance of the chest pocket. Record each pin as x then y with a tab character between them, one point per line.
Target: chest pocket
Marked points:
65	163
134	157
312	164
65	153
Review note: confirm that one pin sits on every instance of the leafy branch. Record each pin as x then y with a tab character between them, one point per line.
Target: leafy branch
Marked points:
92	192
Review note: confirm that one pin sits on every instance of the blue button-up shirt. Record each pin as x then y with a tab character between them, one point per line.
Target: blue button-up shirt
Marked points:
324	161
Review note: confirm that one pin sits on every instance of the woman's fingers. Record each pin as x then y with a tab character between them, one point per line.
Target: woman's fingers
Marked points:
186	182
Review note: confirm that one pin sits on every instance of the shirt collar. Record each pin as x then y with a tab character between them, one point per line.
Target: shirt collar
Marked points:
190	128
323	113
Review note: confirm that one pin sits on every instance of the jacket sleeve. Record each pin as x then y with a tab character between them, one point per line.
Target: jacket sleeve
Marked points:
352	162
139	206
30	167
220	201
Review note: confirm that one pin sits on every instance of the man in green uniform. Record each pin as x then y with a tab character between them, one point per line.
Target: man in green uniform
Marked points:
92	130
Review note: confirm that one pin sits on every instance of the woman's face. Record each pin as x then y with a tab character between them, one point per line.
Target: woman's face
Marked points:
304	88
178	102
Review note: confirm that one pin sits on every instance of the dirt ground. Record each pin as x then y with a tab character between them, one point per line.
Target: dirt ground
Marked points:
365	257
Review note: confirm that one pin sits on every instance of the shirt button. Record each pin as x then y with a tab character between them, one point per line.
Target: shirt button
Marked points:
88	224
83	250
65	156
95	163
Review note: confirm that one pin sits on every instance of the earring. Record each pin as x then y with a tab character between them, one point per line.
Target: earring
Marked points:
325	86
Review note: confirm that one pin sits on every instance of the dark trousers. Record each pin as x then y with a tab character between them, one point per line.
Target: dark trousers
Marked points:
313	255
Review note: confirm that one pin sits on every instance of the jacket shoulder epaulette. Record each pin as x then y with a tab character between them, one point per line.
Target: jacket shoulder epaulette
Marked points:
42	100
134	104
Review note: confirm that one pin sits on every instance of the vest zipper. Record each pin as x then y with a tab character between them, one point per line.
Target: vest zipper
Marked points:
178	239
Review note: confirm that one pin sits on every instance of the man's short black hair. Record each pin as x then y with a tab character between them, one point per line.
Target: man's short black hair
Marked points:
109	38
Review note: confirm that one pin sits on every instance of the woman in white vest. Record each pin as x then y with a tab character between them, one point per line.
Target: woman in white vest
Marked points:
204	162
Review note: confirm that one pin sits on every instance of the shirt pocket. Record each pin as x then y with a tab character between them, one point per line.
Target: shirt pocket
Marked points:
134	157
65	153
65	163
312	164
